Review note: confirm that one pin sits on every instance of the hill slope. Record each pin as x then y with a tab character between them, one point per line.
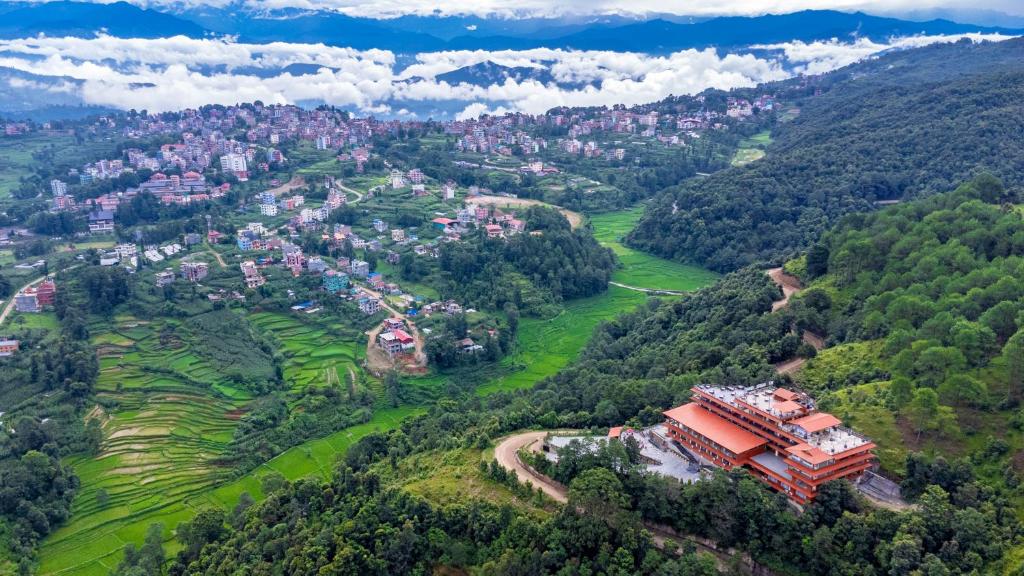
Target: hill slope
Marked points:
898	127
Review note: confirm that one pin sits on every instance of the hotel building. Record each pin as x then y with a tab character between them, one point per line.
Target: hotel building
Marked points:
775	433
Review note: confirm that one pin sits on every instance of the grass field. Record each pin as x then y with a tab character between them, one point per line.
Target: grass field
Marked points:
640	269
752	148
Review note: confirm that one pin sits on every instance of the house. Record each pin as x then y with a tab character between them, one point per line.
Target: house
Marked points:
101	222
415	176
398	235
46	292
268	209
334	281
396	341
8	347
360	268
391	324
380	225
419	190
776	433
397	179
493	230
165	278
369	306
194	271
444	223
26	301
392	257
516	226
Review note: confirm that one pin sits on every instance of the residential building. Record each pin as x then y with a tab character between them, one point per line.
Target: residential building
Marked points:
335	281
194	271
776	433
8	347
164	278
360	268
395	342
58	187
398	235
253	278
268	209
101	222
369	306
46	292
26	301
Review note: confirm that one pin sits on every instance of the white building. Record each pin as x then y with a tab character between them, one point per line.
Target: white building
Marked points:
58	187
268	209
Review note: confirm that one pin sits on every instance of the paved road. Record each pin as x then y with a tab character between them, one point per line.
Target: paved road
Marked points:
10	303
507	455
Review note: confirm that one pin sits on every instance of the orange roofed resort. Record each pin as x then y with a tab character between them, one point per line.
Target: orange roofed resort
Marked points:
775	433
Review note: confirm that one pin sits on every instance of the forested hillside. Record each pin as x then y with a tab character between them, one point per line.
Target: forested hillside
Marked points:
902	126
936	281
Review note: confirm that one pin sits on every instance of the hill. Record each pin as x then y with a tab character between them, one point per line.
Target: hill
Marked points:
901	126
85	19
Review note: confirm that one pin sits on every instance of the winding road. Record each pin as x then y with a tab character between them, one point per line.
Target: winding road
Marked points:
507	455
790	287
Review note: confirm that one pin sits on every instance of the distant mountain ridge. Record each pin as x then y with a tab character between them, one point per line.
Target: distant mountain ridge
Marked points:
412	34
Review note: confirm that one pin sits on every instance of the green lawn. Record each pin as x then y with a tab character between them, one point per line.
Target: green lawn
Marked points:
640	269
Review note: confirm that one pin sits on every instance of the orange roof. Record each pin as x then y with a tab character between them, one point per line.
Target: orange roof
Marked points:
808	453
817	422
718	430
785	394
787	406
615	432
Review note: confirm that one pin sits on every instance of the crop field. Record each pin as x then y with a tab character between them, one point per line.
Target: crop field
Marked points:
311	349
163	435
546	346
170	412
640	269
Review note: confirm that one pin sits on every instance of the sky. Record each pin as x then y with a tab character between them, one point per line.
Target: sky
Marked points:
510	8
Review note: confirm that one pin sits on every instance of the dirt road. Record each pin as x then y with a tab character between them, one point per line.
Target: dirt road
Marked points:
297	181
790	287
575	218
376	359
359	195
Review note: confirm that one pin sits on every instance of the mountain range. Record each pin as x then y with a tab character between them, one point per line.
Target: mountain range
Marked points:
410	34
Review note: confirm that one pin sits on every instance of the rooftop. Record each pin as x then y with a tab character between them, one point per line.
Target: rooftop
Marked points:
718	430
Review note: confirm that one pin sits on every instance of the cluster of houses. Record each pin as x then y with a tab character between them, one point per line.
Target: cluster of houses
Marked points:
191	271
127	254
495	222
270	206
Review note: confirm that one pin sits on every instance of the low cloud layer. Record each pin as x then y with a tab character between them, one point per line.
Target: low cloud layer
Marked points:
172	73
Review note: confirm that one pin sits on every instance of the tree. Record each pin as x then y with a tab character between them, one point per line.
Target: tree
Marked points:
817	261
1013	356
598	492
923	410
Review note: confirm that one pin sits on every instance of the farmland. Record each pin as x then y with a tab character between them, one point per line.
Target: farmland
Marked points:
170	410
639	268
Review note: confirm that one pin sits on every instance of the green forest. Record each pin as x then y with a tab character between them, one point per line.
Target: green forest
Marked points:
899	127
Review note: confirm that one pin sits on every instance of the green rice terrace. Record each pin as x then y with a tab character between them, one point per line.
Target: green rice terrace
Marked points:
170	399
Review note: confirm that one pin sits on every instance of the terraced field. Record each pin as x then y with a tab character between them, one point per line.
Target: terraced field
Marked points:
170	416
311	349
165	429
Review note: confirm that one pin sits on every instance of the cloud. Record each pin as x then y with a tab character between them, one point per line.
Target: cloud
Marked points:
546	8
173	73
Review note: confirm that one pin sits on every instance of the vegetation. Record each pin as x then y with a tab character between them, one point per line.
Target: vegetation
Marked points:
880	132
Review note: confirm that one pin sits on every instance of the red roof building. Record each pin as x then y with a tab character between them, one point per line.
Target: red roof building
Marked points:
775	433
